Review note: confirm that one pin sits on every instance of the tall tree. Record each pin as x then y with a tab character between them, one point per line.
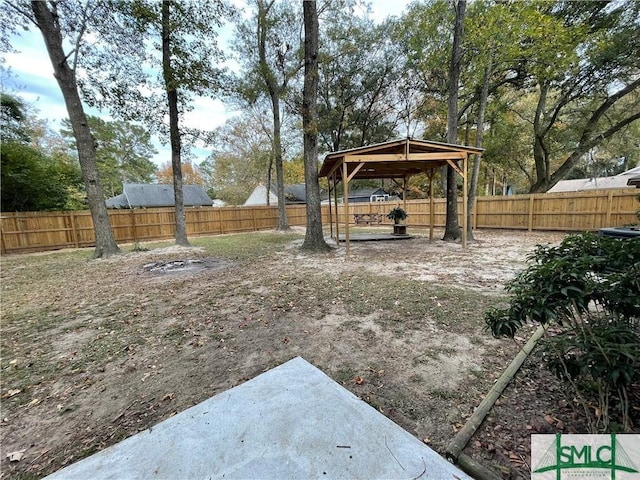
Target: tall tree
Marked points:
177	62
60	23
314	237
269	46
355	90
582	89
171	87
452	227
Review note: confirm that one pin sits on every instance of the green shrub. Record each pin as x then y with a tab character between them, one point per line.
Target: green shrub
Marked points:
588	288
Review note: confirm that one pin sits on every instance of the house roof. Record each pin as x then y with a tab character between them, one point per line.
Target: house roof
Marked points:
622	180
366	192
296	193
394	159
137	195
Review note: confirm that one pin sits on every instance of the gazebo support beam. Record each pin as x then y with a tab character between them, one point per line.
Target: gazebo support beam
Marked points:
335	201
464	202
345	186
432	214
329	205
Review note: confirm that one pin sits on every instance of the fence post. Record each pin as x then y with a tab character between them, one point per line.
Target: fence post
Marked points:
609	206
220	220
531	199
474	225
253	216
132	215
3	248
23	241
74	230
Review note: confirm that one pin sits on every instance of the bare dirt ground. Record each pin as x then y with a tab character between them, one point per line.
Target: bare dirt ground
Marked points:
94	351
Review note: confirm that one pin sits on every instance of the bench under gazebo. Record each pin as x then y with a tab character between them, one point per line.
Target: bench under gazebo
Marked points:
398	160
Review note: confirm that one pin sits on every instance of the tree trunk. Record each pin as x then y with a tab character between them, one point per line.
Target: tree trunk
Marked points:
314	237
473	184
283	223
47	22
174	131
269	170
452	227
274	95
540	153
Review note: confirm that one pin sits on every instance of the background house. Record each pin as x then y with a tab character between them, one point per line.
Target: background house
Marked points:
600	183
139	195
293	194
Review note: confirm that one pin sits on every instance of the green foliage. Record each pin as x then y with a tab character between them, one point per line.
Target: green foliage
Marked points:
33	181
35	174
588	287
12	115
354	89
396	214
123	152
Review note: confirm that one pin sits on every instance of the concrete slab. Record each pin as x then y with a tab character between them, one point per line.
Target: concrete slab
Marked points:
288	423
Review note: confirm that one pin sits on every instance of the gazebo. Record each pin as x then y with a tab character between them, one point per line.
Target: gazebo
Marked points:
398	160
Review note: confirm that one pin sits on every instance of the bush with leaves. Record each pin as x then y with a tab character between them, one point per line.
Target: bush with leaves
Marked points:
588	287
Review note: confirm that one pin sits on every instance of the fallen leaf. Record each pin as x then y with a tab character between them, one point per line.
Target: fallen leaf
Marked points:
549	419
34	402
16	456
358	380
168	396
13	392
560	425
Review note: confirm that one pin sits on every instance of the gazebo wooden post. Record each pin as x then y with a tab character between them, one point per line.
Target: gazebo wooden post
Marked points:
329	205
335	201
464	201
432	214
404	194
345	186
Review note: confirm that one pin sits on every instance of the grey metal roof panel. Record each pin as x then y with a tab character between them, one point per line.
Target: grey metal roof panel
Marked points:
119	201
138	195
296	193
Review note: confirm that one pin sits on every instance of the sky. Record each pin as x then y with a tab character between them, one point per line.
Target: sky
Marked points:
32	80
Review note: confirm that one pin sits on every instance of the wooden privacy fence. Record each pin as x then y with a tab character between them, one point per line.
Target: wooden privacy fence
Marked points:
572	211
39	231
575	211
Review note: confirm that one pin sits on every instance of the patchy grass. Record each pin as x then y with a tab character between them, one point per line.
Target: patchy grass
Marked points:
99	349
245	246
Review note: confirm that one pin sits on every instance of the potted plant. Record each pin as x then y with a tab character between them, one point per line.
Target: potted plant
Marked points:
397	214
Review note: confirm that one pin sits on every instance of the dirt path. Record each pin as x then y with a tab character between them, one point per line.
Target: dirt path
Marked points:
95	351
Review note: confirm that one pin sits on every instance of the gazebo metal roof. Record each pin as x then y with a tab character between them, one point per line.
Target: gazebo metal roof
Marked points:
397	159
